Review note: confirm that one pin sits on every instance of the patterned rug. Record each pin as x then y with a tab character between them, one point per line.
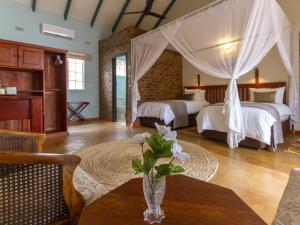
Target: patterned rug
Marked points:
109	163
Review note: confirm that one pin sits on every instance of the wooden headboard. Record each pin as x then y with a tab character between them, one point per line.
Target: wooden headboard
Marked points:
216	93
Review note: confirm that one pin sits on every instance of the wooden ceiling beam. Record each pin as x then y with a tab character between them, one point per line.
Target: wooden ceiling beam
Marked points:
167	9
138	23
120	15
67	9
96	12
33	5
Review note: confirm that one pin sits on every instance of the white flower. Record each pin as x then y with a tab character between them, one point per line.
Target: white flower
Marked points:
140	138
167	133
178	153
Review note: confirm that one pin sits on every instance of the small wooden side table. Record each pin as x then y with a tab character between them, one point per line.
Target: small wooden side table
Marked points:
187	202
76	109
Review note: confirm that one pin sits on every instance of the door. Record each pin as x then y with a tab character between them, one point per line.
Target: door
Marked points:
119	86
32	58
8	54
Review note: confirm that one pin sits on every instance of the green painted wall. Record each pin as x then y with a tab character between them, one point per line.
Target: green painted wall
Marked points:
13	14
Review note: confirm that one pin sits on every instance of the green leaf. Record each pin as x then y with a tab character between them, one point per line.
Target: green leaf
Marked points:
176	169
149	160
137	166
165	151
160	147
162	170
155	142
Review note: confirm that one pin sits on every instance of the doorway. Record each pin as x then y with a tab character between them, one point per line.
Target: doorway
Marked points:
119	80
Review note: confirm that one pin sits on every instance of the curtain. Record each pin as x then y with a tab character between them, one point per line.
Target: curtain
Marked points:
144	52
227	45
225	40
285	46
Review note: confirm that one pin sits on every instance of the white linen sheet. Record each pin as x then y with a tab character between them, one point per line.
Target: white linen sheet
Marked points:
257	122
163	111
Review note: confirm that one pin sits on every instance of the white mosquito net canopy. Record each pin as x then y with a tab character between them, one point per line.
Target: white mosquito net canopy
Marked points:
226	39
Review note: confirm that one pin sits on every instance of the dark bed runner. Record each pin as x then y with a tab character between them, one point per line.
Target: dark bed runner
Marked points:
179	109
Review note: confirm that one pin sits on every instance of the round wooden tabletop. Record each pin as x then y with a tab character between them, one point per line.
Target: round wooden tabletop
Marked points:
187	202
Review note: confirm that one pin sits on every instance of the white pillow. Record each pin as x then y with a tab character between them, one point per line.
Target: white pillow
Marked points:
199	95
278	97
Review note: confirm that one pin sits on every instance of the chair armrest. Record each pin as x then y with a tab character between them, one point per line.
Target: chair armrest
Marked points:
73	199
21	141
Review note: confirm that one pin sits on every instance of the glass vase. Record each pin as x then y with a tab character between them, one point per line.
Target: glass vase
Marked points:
154	194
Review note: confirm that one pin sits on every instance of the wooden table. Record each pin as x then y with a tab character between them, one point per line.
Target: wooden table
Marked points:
187	202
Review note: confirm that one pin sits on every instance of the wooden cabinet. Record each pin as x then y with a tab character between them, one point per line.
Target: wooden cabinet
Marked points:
13	55
8	54
22	113
30	57
41	102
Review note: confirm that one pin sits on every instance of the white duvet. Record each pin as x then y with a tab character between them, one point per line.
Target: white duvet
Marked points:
163	110
257	122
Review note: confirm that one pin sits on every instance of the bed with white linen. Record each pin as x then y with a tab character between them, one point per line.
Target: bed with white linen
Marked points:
258	122
162	113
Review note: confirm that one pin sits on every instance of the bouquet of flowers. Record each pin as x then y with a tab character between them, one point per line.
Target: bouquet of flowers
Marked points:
160	145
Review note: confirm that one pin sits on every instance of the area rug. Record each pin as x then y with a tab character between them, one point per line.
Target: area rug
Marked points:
109	163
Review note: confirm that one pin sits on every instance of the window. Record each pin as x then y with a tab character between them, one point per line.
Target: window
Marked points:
76	74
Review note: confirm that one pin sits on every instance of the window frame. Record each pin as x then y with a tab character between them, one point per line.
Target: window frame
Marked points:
83	76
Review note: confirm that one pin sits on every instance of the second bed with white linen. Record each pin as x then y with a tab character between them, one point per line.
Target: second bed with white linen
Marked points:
257	121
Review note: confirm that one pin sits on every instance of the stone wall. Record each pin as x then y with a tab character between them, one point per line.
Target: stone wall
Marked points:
162	81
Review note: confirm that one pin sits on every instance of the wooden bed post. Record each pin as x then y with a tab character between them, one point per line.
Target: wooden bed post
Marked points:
199	80
256	76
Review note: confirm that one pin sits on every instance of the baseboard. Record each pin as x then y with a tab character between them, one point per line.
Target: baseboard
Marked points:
58	134
136	124
105	119
77	121
297	132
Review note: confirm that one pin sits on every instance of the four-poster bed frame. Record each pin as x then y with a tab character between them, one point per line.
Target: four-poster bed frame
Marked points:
216	94
247	42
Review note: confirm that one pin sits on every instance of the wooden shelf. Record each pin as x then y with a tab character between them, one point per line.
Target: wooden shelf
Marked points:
32	70
19	97
20	69
53	89
30	91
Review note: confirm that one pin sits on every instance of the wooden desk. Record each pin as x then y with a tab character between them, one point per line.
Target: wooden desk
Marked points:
187	202
22	113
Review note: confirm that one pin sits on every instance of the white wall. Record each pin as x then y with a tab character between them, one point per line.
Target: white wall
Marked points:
271	67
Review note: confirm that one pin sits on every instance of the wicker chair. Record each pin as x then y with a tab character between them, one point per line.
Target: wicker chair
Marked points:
37	189
21	141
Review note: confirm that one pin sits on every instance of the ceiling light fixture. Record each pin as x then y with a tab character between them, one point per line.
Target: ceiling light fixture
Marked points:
228	45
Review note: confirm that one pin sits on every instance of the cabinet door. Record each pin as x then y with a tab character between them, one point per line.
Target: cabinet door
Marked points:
8	54
30	57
